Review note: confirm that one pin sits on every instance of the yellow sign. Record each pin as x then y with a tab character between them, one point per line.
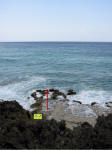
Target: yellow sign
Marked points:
37	116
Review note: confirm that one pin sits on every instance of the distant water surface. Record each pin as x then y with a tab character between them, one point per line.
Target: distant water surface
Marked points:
84	67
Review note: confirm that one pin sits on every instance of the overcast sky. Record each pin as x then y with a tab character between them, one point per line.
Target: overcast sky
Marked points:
55	20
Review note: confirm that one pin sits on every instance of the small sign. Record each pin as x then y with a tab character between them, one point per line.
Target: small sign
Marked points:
37	116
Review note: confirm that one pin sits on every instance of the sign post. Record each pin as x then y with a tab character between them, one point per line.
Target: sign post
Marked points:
47	98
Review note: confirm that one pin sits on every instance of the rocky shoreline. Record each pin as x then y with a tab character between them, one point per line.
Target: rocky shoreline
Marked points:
18	130
62	108
66	124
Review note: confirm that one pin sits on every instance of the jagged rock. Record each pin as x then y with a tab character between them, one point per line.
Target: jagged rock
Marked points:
38	91
77	101
64	100
61	93
38	104
109	104
64	96
51	90
35	105
71	92
12	109
93	103
56	93
34	95
54	96
43	92
41	98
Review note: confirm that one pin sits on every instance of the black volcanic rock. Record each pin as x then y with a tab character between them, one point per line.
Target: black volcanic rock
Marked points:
52	90
34	95
42	92
62	94
71	92
56	93
39	91
93	103
77	101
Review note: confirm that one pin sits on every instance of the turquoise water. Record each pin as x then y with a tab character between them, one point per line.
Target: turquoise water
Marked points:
84	67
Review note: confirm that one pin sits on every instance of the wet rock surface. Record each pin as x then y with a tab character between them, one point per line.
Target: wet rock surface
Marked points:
18	130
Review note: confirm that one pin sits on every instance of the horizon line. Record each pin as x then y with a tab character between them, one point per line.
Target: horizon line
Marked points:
54	41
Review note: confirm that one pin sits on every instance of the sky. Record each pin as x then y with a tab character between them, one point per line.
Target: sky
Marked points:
55	20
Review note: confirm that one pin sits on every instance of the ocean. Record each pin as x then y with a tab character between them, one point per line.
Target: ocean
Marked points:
85	67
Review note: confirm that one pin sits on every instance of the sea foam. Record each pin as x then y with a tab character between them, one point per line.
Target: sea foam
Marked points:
20	91
89	96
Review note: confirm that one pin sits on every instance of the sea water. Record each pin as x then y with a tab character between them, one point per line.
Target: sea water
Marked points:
85	67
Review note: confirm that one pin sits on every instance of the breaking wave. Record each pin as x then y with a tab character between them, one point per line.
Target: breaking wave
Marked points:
20	91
